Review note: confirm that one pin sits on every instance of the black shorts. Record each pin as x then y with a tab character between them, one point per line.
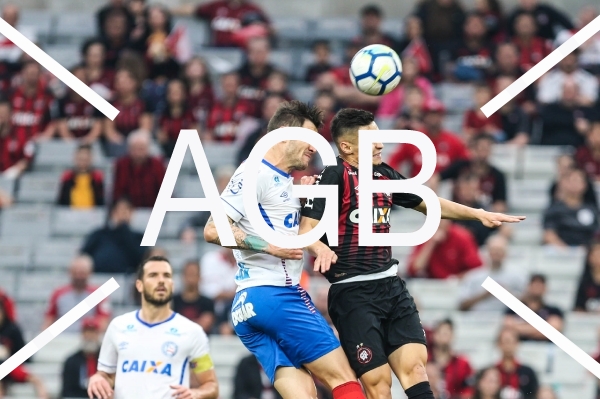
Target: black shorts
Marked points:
373	319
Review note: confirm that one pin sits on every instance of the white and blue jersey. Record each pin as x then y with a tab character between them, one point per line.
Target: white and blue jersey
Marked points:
281	212
271	314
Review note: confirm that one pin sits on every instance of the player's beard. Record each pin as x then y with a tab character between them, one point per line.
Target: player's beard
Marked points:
156	301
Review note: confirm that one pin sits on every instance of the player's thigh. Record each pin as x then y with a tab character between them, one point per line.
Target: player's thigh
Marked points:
332	369
293	383
409	364
357	314
377	382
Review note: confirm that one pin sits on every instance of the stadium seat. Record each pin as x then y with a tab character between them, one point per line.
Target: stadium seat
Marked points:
336	28
30	317
124	290
434	294
178	252
393	27
7	185
219	154
537	355
37	287
528	195
172	224
58	154
73	27
198	31
457	97
284	60
558	264
188	187
581	326
41	20
71	222
39	187
291	30
539	162
55	253
26	221
8	283
66	55
528	232
303	92
14	254
59	348
507	158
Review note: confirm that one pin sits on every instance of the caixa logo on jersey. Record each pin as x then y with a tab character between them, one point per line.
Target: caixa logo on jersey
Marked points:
380	215
242	311
146	366
292	220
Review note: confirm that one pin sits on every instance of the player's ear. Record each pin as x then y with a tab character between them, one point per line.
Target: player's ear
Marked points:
139	286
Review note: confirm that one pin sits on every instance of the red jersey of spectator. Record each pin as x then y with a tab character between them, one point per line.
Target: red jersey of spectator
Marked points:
129	116
448	146
533	53
172	125
585	160
31	115
8	305
223	120
106	80
457	254
342	76
201	103
456	376
475	120
79	115
66	298
226	18
14	148
139	183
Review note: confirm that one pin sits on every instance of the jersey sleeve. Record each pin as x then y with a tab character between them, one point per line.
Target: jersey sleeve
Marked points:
200	360
107	360
233	197
315	207
405	200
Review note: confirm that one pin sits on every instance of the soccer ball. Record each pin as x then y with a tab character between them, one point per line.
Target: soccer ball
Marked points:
375	70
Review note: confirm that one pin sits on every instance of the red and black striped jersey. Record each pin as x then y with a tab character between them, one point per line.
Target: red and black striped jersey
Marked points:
14	148
354	260
172	125
31	115
201	103
224	119
129	116
79	115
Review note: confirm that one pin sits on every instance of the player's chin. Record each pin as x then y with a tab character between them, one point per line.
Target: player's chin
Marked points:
377	160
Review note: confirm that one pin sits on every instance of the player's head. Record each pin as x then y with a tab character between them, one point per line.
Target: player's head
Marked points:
497	247
83	157
481	147
296	114
344	130
488	383
155	281
191	276
536	288
81	268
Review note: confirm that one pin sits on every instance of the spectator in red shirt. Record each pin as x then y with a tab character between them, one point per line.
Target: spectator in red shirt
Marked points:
98	77
16	150
116	29
81	365
231	21
587	157
588	293
487	384
411	114
11	341
517	380
413	45
322	61
65	298
9	306
452	251
255	73
176	116
448	145
371	17
82	186
77	118
133	112
227	112
455	369
200	93
475	121
32	104
532	48
138	175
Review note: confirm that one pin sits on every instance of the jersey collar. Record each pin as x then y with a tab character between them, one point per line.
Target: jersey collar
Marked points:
137	316
276	169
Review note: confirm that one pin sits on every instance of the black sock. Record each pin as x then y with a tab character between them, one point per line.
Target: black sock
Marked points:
420	391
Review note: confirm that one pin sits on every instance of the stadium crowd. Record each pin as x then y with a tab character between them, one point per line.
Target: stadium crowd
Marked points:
142	64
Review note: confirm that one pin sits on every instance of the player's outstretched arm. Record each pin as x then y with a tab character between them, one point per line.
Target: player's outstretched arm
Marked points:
101	385
324	256
209	387
454	211
249	242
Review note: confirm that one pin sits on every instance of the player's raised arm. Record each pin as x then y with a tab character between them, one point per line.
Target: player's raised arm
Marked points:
454	211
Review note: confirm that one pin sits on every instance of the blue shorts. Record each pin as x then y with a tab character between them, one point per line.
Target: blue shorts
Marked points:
281	327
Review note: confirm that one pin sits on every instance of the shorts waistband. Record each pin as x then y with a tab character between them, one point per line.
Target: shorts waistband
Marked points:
391	272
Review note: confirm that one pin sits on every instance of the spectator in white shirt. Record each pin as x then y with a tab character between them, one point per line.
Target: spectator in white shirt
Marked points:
473	296
589	57
551	85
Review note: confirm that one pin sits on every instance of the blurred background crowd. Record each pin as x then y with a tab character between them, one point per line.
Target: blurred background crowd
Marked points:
76	189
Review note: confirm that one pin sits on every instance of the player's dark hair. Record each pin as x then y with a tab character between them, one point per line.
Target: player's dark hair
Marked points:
482	137
371	9
89	43
537	277
140	270
321	43
478	377
293	114
84	147
447	322
348	120
505	330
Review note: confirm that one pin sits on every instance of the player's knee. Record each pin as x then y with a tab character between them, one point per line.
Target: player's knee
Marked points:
414	370
378	389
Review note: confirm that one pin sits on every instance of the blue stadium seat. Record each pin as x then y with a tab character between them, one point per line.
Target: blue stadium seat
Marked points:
302	92
38	187
66	55
336	28
222	60
25	222
70	222
74	27
291	30
284	60
56	253
42	20
197	30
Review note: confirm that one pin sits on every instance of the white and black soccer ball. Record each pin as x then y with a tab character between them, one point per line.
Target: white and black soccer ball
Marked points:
376	70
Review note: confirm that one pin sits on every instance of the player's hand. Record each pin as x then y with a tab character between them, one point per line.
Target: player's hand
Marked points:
325	258
491	219
181	392
284	253
98	387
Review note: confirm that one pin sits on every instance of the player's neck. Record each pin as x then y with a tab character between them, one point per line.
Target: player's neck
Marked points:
155	314
278	160
350	159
